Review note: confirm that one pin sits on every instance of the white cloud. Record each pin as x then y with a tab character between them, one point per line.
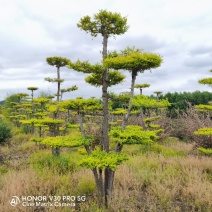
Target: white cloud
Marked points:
32	30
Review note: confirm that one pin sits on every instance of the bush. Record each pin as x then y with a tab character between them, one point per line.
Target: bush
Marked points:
5	131
62	164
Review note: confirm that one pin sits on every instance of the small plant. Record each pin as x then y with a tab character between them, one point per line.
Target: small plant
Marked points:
5	131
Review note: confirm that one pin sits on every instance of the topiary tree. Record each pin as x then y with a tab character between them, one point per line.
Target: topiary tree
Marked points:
106	24
32	89
158	93
58	62
135	61
141	86
205	132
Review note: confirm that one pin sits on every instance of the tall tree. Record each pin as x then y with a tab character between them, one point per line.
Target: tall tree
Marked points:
135	61
106	24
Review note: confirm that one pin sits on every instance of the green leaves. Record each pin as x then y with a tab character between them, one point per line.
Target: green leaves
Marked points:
105	23
57	61
206	151
204	132
86	67
64	141
114	77
206	81
134	61
102	160
81	105
144	101
144	85
204	107
133	135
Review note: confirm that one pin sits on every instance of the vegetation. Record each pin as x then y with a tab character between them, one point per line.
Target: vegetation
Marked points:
5	131
122	152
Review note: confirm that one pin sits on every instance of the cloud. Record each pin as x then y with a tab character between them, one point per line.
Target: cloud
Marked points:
31	31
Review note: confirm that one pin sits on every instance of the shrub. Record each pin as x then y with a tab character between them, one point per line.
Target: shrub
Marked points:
5	131
61	164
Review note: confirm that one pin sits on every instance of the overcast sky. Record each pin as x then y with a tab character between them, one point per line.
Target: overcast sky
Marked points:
31	30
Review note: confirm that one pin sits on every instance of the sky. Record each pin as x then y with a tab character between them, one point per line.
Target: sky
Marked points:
32	30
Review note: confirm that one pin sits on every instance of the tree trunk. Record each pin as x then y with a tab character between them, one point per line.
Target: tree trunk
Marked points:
105	125
58	84
125	119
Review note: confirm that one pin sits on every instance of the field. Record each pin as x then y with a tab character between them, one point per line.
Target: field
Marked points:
170	175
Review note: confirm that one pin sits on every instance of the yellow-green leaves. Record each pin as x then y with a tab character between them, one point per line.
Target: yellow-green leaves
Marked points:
102	160
114	77
64	141
57	61
86	67
105	23
144	101
204	132
143	85
204	107
133	135
81	105
206	151
206	81
135	61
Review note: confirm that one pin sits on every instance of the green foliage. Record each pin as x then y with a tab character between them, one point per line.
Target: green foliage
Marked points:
147	120
105	23
48	79
120	100
85	186
133	135
86	67
134	61
204	132
32	88
204	107
3	170
206	151
81	105
5	131
114	77
161	149
36	139
64	141
206	81
57	61
179	101
143	85
102	160
119	111
144	101
63	164
73	88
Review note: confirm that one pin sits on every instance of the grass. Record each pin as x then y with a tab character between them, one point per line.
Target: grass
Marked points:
165	176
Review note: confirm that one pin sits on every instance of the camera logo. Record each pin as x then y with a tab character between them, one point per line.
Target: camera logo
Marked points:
14	201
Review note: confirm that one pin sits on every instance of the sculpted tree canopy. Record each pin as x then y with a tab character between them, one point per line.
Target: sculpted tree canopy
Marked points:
104	22
134	61
57	61
206	81
114	77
